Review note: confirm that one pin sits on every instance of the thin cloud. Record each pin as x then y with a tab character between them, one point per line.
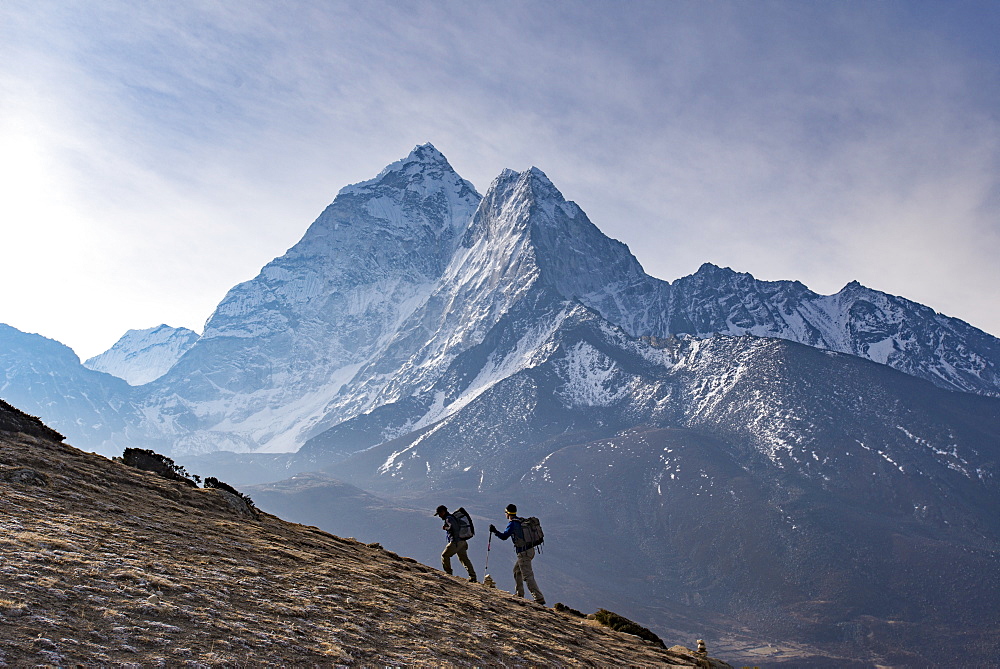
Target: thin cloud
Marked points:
181	146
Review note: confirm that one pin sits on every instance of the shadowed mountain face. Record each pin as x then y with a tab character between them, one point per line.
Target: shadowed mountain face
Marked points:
46	378
800	466
815	498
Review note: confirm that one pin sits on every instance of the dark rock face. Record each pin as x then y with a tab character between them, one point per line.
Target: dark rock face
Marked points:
240	503
44	377
237	504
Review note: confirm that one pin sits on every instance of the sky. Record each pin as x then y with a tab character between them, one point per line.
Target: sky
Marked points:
155	154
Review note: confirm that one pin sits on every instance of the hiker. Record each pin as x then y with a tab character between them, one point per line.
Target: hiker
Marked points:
523	573
456	545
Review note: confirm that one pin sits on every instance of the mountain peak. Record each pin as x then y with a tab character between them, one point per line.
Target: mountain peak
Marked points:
532	178
141	356
853	286
539	176
422	166
713	269
423	157
427	152
546	238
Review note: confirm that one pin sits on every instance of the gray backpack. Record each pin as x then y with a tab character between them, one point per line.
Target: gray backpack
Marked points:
531	534
463	529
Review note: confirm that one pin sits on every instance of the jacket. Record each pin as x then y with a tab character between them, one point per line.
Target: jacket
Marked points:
449	523
513	531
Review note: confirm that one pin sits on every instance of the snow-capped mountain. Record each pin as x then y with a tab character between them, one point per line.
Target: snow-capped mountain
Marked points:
141	356
496	406
528	252
884	328
409	272
280	346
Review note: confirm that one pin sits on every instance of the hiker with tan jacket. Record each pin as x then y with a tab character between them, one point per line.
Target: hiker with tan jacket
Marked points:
456	526
523	572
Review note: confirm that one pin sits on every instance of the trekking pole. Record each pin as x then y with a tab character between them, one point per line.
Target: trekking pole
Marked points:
488	542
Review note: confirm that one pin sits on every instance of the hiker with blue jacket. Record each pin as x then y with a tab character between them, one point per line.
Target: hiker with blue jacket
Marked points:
523	573
456	545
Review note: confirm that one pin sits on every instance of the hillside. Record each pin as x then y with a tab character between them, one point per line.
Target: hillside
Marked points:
102	563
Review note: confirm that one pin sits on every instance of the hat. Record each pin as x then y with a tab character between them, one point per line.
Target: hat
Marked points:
441	509
511	509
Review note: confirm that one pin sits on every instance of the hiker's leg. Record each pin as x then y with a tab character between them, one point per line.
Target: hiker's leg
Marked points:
528	574
449	550
463	557
518	581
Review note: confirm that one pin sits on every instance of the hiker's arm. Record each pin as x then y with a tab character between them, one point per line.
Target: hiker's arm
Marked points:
506	533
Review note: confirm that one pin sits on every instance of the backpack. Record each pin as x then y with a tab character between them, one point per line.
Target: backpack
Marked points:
463	528
531	534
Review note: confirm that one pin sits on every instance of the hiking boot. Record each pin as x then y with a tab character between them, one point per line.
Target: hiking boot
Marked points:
540	602
472	579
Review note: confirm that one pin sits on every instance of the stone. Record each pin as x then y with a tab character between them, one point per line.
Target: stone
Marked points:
24	476
236	503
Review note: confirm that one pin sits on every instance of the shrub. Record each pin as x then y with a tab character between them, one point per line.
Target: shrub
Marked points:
623	624
212	482
13	419
152	461
562	608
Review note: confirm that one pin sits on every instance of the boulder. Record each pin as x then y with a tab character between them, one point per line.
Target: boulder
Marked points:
237	504
23	476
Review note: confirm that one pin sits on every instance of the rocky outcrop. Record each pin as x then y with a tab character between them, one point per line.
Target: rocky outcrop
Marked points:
239	503
23	476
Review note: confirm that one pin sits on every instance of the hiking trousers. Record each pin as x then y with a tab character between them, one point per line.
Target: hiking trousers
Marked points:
524	574
461	549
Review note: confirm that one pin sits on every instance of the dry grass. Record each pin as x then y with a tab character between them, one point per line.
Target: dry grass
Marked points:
109	565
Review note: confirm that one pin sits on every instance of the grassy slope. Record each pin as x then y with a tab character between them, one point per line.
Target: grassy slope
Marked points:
106	564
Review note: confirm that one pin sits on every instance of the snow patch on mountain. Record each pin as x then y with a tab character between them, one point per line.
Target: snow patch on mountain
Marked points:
393	463
590	378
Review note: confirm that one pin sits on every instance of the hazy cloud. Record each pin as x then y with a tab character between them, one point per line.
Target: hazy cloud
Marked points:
156	154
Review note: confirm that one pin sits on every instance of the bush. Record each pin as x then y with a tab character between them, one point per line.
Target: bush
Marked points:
623	624
13	419
212	482
151	461
562	608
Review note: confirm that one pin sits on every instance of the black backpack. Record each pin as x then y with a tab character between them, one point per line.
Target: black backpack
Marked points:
531	534
463	528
